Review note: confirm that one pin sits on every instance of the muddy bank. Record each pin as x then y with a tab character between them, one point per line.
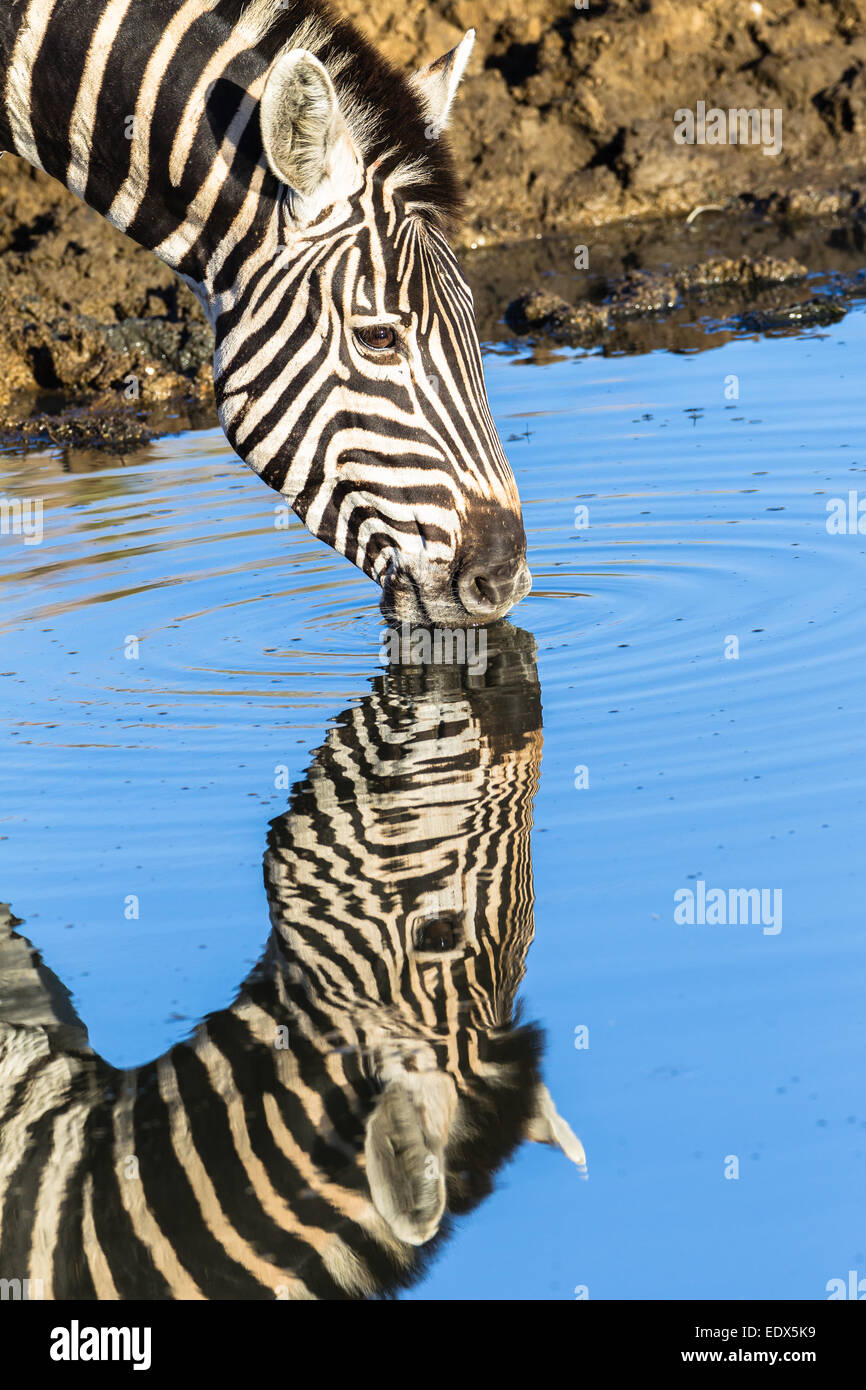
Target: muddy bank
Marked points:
565	123
691	308
637	287
727	298
630	287
88	318
567	115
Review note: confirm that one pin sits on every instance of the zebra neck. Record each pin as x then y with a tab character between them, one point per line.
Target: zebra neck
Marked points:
147	112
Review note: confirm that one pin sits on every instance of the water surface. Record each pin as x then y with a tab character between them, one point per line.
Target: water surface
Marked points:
171	658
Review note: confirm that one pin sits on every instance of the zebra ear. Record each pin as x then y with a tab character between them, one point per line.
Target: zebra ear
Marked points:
438	82
546	1126
405	1153
305	138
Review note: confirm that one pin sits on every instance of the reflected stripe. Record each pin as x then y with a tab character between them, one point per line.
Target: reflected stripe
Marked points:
146	1228
215	1219
100	1273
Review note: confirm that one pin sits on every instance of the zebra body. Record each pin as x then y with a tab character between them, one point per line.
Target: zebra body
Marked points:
300	186
371	1076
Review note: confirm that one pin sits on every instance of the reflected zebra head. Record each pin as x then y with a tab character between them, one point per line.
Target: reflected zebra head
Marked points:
400	890
372	1074
347	367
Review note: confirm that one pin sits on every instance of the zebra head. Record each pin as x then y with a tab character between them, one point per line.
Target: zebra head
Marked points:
347	367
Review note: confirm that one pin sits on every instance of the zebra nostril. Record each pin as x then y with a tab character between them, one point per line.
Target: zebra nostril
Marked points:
485	590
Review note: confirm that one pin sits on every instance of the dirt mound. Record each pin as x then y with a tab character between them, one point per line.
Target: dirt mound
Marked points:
568	111
84	313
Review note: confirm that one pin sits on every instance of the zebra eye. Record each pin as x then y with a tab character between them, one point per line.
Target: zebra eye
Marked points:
437	935
381	337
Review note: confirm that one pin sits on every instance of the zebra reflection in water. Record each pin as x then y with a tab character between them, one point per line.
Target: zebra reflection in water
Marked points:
315	1139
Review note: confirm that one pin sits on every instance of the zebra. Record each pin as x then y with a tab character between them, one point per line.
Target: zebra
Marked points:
303	189
317	1138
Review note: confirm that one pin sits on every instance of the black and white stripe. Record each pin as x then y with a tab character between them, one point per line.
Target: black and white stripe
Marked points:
400	891
298	183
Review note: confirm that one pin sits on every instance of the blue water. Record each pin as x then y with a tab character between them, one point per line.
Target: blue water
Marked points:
155	777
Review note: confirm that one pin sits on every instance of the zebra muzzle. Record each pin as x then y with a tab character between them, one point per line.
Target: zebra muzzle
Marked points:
478	585
492	574
475	594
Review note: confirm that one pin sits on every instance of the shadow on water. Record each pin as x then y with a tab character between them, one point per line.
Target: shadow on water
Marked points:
372	1075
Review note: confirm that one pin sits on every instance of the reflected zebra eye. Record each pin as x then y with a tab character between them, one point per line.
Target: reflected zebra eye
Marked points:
380	337
438	935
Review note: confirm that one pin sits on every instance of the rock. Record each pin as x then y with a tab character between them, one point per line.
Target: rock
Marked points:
809	313
843	104
547	315
638	294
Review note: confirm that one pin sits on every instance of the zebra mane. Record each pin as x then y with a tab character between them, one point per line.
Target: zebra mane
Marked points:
384	114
